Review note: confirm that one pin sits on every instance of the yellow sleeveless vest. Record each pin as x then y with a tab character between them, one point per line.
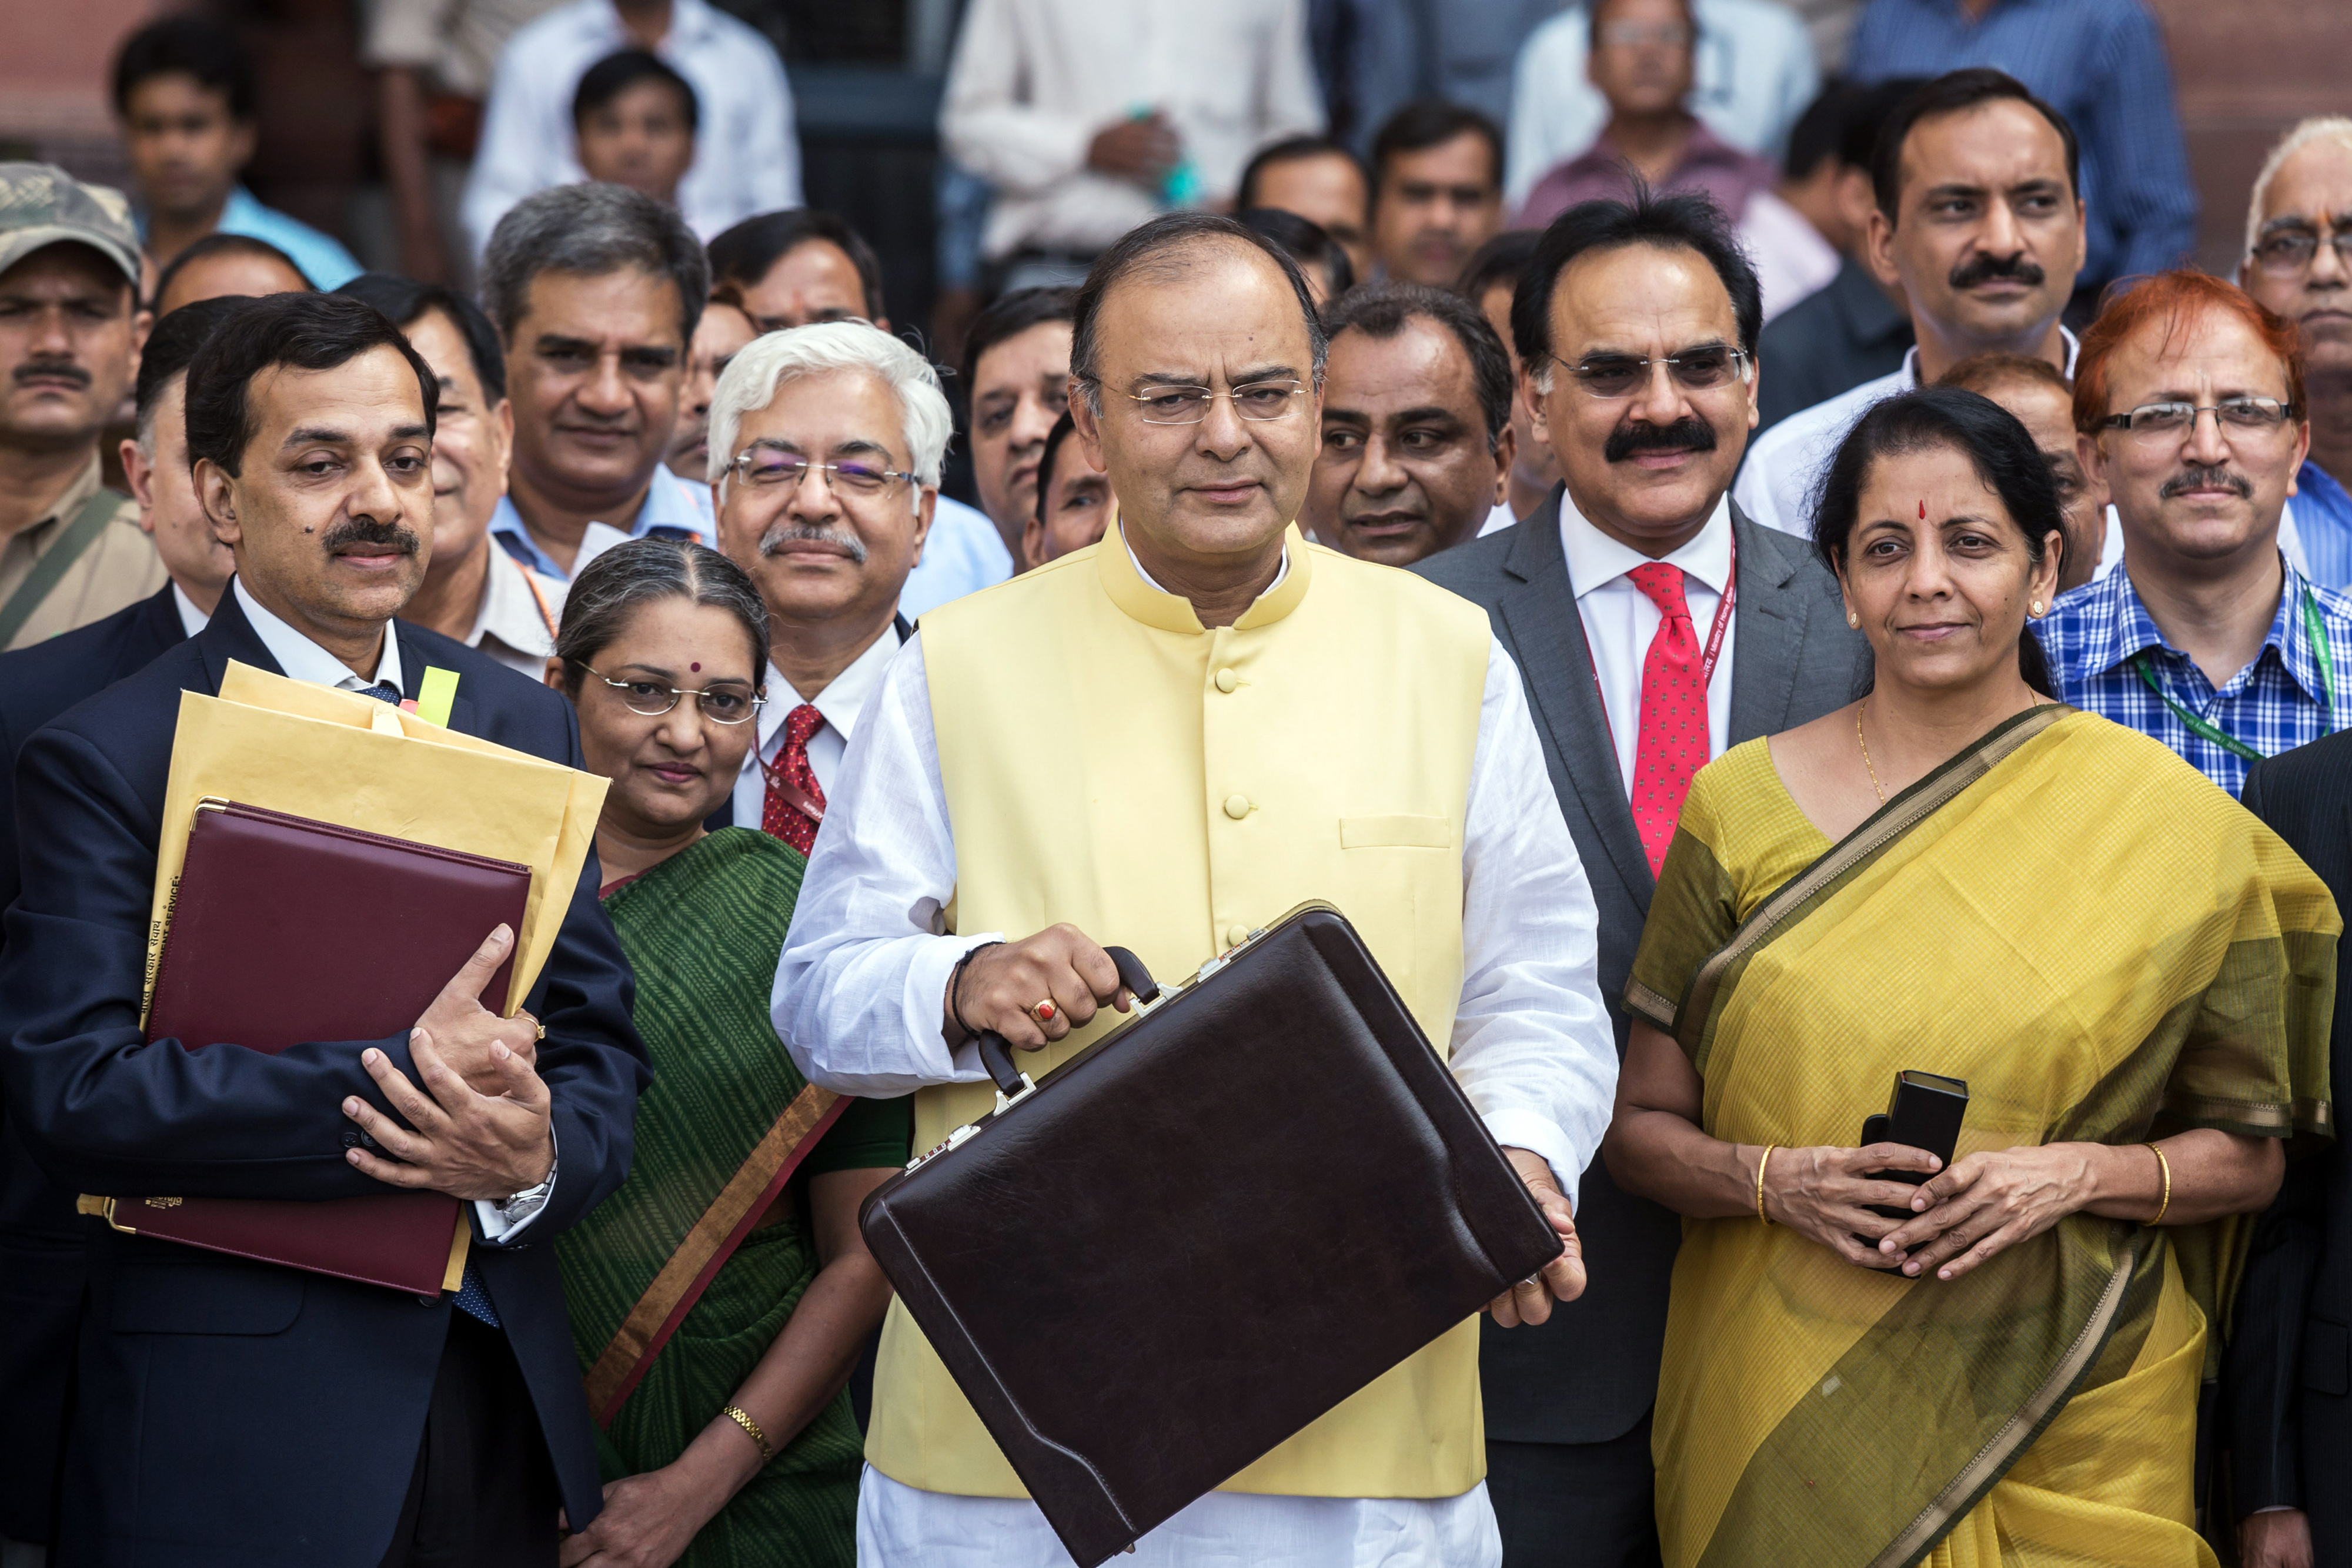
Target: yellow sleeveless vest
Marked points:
1110	763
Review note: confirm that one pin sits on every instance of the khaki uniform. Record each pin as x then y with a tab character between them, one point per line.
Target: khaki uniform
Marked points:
119	569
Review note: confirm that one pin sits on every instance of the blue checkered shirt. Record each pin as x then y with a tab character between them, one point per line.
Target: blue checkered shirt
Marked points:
2273	705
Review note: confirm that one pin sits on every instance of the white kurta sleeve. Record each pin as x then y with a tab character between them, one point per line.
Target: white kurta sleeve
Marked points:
1532	1044
857	997
990	120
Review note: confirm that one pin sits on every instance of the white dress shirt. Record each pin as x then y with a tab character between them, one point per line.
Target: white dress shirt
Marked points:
519	613
1501	517
1753	69
1034	81
747	156
300	659
841	702
1620	620
192	620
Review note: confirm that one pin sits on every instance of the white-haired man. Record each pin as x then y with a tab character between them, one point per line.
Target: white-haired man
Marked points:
826	445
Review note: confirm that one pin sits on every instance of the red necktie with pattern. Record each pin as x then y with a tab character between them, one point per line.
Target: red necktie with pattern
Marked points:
1674	738
795	800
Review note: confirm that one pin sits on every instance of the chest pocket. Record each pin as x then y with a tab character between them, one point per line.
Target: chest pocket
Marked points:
1395	832
1401	877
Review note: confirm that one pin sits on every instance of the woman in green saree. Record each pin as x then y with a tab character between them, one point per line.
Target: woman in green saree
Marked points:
719	1298
1958	876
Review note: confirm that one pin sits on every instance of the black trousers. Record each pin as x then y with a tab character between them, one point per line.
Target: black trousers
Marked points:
483	1493
1575	1505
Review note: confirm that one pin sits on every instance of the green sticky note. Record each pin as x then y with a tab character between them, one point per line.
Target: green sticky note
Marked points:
435	694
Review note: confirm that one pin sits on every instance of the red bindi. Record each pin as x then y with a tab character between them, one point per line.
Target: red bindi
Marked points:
698	668
1923	517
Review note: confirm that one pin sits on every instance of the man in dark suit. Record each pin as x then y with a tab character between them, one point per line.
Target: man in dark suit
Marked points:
237	1413
1620	598
2286	1377
41	1240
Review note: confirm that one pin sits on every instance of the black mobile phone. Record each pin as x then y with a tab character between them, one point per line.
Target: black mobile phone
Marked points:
1924	1113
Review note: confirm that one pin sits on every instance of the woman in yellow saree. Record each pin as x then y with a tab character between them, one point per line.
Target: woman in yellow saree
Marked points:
1957	876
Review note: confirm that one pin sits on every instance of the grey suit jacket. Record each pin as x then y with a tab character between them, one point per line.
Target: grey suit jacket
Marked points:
1589	1373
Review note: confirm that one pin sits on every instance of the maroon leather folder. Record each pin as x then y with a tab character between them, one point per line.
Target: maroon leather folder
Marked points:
284	930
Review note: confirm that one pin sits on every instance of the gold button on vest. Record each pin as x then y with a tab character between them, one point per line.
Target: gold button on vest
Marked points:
1357	742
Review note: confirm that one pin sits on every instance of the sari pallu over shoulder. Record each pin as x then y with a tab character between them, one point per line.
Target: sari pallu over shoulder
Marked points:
2109	950
729	1118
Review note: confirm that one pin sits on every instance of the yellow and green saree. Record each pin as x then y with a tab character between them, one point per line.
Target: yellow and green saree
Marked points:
2109	950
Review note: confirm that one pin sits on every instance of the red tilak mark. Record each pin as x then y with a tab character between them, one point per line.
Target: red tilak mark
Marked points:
1923	511
695	667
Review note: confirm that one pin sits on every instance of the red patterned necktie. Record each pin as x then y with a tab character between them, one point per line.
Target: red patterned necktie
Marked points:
795	800
1674	740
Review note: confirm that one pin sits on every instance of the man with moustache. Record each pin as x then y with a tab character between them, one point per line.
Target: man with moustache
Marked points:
2299	264
41	1238
1074	505
825	444
2189	406
1227	650
1980	222
458	1425
596	292
473	591
70	328
1417	443
1641	604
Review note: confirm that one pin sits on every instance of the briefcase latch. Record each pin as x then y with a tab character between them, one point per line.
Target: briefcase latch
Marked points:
1006	1101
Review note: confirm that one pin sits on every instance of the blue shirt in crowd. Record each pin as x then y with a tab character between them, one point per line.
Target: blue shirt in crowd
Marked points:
668	510
2099	636
325	263
2323	522
2100	64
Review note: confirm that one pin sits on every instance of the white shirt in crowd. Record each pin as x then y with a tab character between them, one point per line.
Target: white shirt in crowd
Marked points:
857	1003
300	659
1034	81
1620	620
962	554
519	614
840	703
1754	73
747	155
192	620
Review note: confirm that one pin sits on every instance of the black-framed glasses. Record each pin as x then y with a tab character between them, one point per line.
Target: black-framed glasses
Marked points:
765	467
2171	421
2289	253
1695	369
720	704
1189	405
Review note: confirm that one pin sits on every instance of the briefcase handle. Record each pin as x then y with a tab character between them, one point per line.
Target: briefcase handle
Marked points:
997	1052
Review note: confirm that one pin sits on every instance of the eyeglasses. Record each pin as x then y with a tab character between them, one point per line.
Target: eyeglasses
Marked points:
2163	420
719	705
1693	369
1189	405
764	467
2290	252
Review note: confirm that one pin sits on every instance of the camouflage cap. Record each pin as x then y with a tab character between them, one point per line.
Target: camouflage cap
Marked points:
41	205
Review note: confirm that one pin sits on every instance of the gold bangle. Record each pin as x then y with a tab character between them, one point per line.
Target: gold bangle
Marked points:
1761	1162
751	1430
2166	1166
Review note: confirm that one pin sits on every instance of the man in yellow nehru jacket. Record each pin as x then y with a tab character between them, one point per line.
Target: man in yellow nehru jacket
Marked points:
1166	740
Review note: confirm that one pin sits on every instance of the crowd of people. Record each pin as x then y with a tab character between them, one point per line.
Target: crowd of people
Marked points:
1738	591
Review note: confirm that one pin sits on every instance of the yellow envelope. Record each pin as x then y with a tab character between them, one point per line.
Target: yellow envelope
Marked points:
342	757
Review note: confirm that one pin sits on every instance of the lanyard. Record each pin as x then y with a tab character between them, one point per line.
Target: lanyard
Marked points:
2314	631
1713	652
537	598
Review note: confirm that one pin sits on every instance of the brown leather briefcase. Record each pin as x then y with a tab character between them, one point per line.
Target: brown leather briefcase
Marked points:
1234	1210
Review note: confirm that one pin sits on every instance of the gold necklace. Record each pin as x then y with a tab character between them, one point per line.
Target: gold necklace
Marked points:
1865	752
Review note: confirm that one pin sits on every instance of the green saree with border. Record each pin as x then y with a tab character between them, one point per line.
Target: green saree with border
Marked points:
702	930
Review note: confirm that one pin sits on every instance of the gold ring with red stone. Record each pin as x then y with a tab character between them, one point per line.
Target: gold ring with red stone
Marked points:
1045	1012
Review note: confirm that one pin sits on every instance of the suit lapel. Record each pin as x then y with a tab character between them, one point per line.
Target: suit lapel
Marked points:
1540	608
228	635
1767	631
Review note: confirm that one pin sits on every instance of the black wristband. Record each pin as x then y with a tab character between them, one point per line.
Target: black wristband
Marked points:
955	981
